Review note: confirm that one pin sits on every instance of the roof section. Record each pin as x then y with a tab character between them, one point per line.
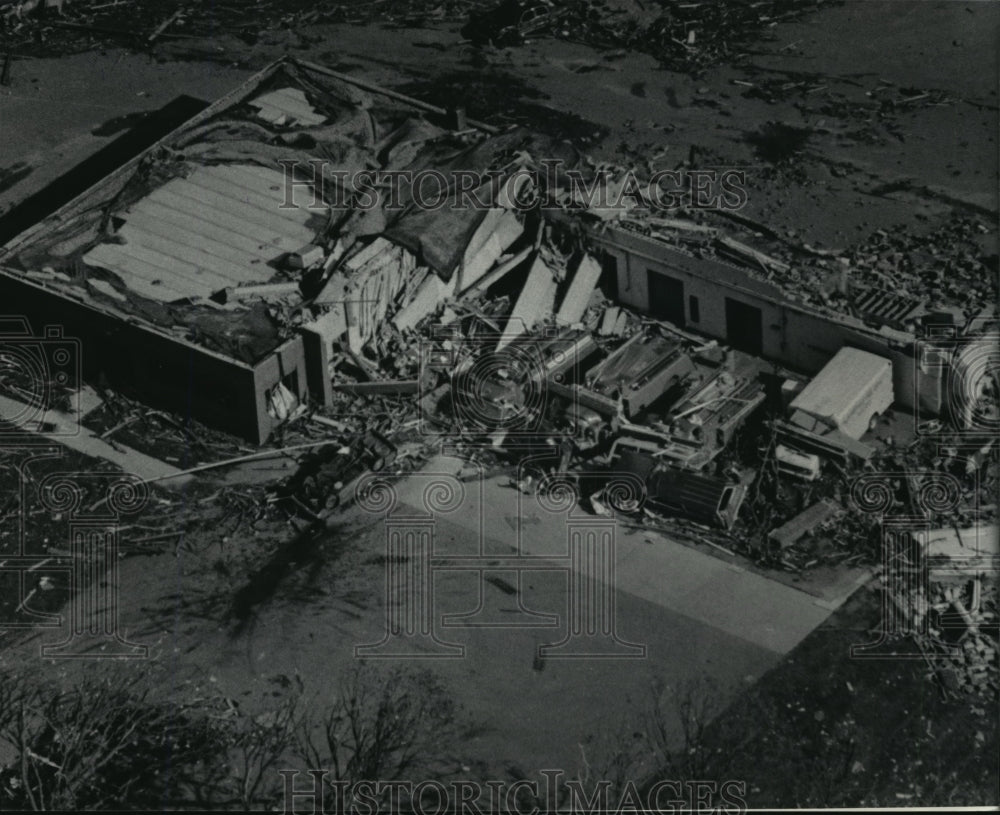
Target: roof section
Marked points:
166	238
220	227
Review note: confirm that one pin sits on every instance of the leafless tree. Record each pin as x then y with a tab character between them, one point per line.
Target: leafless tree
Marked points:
98	745
382	725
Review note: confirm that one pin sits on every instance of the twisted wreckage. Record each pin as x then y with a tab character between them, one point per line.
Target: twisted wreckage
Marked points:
247	268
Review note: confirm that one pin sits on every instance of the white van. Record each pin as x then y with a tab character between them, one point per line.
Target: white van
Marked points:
849	394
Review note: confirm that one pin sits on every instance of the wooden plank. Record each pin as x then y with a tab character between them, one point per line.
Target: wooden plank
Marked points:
207	242
182	276
535	301
239	233
749	253
264	290
498	272
367	253
227	180
580	289
232	273
805	521
137	276
258	219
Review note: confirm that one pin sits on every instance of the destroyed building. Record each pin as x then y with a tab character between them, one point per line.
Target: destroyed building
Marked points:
710	296
207	274
225	272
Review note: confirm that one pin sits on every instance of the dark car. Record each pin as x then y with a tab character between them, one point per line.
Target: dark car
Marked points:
326	476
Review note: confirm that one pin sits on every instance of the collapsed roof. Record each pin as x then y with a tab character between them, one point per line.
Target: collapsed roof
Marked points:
207	235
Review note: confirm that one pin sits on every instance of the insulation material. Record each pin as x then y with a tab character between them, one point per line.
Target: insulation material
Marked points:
580	289
535	302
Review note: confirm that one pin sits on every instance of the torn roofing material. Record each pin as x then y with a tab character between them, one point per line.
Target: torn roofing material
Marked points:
227	202
441	229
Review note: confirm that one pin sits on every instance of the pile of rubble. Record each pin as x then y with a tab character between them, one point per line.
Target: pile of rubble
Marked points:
896	279
870	111
695	36
682	36
120	420
55	27
970	669
956	622
488	325
947	268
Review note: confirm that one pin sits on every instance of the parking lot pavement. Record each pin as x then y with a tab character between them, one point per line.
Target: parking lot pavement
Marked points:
647	566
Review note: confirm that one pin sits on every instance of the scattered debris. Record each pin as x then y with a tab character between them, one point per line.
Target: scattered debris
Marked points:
491	327
803	523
